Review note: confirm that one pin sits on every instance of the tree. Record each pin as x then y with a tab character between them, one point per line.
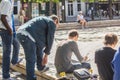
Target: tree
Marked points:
110	9
50	8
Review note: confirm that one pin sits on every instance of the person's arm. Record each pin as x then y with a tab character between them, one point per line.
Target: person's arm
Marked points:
96	56
50	37
116	71
78	17
76	51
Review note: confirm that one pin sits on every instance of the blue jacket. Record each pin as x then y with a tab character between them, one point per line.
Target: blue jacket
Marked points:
42	29
116	65
13	27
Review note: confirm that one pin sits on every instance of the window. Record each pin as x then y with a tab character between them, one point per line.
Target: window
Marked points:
78	0
78	5
15	10
70	8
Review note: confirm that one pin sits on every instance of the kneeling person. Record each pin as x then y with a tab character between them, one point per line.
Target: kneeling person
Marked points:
63	62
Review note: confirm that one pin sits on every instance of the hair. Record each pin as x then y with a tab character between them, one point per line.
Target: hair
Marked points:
80	12
54	17
73	33
110	39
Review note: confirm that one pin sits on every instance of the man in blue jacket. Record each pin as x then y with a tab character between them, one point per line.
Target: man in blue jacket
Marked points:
116	65
36	37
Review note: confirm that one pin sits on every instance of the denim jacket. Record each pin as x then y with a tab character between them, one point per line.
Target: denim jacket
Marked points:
42	29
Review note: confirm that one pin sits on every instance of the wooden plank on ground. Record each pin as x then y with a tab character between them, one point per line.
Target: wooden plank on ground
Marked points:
21	68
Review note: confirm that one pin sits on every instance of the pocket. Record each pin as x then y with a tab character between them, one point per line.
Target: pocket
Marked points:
22	38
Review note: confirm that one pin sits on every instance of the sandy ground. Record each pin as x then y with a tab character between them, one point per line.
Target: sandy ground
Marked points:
89	40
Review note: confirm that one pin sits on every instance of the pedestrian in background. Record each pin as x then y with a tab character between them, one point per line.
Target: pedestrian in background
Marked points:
36	37
81	19
104	56
22	16
16	46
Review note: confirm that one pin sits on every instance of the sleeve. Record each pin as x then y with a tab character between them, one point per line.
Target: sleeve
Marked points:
76	51
50	37
116	65
5	7
96	56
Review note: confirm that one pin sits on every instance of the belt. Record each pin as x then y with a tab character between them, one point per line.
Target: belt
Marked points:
2	29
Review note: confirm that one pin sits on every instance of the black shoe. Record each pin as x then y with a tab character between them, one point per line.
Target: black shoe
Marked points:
44	69
19	60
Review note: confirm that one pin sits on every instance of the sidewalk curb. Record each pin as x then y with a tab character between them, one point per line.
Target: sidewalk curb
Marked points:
90	24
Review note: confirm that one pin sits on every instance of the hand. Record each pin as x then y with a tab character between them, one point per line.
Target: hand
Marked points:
85	58
10	32
44	60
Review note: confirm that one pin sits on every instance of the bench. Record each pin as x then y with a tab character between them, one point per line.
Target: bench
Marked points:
90	24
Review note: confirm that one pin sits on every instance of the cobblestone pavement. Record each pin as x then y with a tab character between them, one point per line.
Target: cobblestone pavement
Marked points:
89	40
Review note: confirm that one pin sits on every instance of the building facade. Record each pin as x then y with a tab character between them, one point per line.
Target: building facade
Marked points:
99	7
67	10
72	8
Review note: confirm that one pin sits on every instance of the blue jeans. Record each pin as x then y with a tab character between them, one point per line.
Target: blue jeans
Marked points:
79	66
6	42
16	48
33	54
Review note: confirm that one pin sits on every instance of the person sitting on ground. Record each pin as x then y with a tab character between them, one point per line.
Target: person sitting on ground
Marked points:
81	20
104	56
65	49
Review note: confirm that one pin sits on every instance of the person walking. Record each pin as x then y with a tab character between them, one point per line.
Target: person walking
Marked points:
36	37
65	49
104	56
16	46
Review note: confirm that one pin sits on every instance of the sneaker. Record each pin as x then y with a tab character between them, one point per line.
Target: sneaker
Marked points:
44	69
19	60
8	79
